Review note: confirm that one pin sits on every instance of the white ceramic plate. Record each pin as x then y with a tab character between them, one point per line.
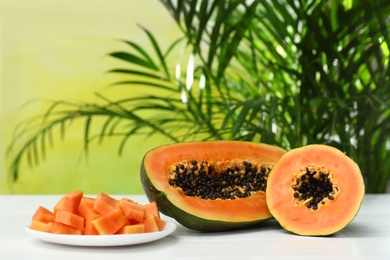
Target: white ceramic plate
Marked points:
102	240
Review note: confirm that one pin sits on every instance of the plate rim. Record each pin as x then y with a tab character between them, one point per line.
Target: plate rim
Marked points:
102	240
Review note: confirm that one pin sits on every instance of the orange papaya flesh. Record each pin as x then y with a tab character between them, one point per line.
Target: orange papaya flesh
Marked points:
70	219
89	229
59	228
86	207
132	229
176	176
59	205
151	209
71	201
314	190
159	222
104	203
150	224
38	225
134	212
44	215
110	223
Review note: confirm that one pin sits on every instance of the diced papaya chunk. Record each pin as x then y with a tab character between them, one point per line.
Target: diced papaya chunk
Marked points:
110	223
160	223
42	214
103	203
89	228
69	219
132	229
151	209
134	212
86	207
59	205
59	228
150	224
38	225
71	201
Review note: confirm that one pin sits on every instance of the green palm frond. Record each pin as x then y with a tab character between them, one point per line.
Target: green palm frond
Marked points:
285	72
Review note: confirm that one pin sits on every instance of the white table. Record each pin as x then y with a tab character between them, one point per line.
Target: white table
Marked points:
367	237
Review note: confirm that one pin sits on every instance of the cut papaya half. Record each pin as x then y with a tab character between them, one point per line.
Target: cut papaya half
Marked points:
315	190
210	185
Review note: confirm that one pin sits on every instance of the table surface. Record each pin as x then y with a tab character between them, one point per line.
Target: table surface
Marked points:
366	237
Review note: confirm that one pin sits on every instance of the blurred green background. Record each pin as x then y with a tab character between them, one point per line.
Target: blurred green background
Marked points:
57	50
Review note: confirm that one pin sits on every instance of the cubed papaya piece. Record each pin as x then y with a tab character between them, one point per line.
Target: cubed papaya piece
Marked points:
110	223
151	209
86	207
71	201
38	225
132	229
134	212
70	219
150	224
89	228
160	223
59	205
104	204
42	214
59	228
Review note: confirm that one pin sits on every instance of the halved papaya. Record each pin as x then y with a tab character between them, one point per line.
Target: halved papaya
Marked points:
314	190
210	185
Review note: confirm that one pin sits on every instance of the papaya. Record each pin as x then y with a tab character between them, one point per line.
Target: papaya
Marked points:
86	207
59	228
151	209
44	215
70	219
315	190
110	223
71	201
132	229
38	225
150	224
89	229
133	211
104	203
210	185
